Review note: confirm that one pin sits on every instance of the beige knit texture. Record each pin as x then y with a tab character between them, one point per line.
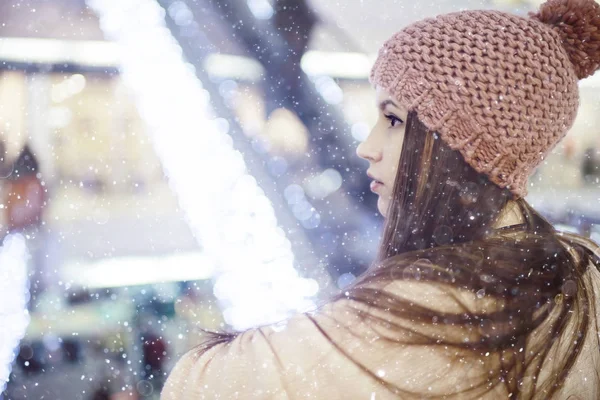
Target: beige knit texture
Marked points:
499	88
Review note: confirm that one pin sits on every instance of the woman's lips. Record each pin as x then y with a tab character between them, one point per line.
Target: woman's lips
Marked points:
375	185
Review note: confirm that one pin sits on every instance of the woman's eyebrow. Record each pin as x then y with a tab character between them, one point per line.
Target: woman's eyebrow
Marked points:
386	102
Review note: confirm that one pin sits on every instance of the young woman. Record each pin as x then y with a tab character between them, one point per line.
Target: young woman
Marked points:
473	294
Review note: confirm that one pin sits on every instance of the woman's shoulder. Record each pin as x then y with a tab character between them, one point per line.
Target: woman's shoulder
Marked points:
295	358
227	370
178	379
323	353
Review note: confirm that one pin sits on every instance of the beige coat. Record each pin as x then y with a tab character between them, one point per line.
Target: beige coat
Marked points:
294	360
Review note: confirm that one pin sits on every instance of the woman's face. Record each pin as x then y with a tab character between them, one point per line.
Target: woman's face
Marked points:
383	146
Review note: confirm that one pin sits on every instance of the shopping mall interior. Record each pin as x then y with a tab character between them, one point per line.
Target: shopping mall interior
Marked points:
170	166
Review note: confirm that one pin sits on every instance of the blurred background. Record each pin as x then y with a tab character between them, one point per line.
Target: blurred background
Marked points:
172	165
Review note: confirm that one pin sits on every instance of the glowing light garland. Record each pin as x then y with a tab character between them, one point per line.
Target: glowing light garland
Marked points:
227	211
14	295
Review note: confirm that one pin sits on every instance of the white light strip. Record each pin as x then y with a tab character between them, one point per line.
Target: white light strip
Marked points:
233	67
14	294
337	65
130	271
56	51
227	211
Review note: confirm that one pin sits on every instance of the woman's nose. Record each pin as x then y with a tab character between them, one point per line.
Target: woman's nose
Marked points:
368	152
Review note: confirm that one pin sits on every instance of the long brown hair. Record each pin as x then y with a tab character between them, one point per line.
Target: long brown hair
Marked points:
440	228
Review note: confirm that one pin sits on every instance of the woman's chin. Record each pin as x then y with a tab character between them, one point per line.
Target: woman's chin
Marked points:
382	207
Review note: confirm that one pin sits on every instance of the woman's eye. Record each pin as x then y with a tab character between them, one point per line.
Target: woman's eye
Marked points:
394	121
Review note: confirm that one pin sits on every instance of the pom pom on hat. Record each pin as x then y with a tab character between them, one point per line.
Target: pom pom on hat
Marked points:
578	24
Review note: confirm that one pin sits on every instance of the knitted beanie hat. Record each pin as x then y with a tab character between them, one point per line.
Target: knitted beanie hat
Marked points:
500	88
